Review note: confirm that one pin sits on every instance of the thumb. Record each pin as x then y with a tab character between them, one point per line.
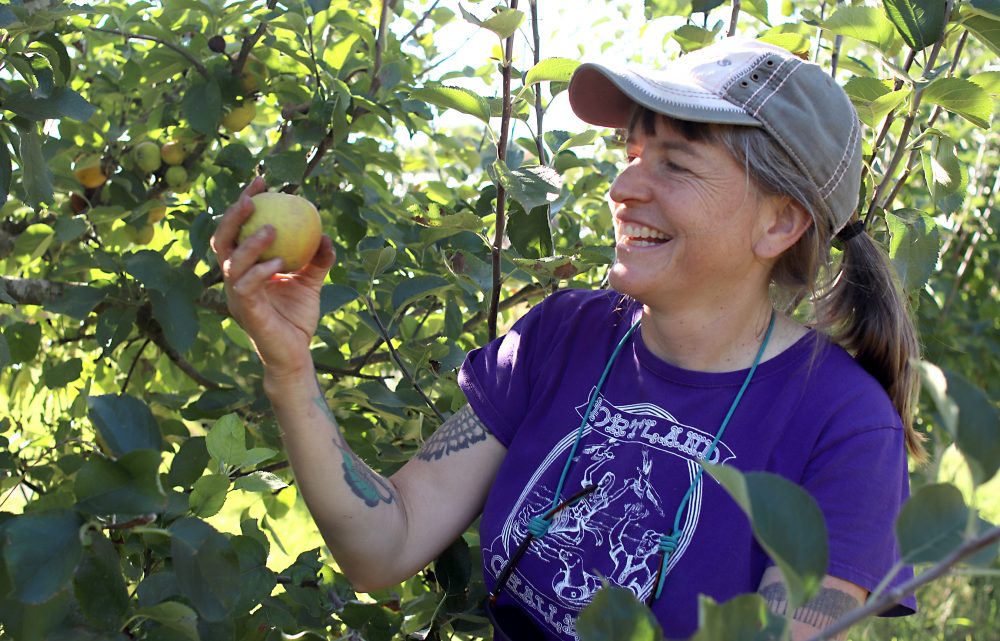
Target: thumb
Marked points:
321	261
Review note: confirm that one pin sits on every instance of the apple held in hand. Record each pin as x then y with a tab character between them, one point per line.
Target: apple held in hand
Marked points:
297	226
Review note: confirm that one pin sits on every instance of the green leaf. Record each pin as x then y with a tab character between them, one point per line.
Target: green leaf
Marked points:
914	245
333	297
202	106
453	568
692	38
4	352
578	140
6	171
41	552
175	616
124	423
207	568
209	495
931	523
99	586
189	463
962	97
944	173
531	186
978	427
988	8
615	614
63	102
986	30
456	98
226	440
35	174
786	522
62	374
530	232
260	481
413	289
504	23
989	81
130	485
743	618
920	22
287	166
23	340
376	261
867	24
551	70
237	157
666	8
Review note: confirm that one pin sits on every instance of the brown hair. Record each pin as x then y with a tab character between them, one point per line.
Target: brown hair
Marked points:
856	299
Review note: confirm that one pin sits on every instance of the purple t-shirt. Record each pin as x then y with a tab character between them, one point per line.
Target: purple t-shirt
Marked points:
813	416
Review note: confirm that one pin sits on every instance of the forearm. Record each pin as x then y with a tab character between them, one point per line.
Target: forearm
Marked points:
359	513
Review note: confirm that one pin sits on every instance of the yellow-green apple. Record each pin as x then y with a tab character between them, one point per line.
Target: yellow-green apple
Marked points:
147	156
241	115
173	153
297	226
176	176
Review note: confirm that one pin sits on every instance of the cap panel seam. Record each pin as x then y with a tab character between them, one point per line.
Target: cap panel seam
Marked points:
844	163
777	87
741	73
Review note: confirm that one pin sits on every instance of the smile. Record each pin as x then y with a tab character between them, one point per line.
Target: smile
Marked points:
641	236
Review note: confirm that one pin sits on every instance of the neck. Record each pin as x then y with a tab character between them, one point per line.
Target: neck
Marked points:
720	341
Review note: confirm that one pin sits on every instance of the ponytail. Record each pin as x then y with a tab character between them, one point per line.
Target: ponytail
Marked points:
866	313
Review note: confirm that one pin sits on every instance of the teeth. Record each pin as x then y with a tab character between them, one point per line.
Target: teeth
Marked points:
641	231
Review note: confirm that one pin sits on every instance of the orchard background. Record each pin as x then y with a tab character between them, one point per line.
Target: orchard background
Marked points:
143	489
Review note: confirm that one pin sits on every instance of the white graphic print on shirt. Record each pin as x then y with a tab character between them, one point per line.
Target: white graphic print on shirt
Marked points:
613	532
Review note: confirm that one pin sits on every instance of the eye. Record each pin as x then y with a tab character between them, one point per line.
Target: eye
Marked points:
672	166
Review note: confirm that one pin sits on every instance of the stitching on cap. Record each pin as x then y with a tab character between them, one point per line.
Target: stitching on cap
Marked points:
777	87
744	71
694	94
844	163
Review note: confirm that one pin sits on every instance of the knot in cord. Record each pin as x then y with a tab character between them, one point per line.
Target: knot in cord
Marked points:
668	543
538	526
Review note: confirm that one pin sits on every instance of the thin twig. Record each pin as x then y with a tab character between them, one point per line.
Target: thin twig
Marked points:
501	192
539	111
146	519
135	361
248	43
399	361
894	596
135	36
419	22
734	18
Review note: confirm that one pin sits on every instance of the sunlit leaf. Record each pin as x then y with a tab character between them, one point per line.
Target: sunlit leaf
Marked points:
551	70
455	98
962	97
867	24
914	246
920	22
614	614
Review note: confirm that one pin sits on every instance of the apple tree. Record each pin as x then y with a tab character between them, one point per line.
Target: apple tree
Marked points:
144	493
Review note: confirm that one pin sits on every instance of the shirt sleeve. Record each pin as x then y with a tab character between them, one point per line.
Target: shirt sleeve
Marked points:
870	464
497	378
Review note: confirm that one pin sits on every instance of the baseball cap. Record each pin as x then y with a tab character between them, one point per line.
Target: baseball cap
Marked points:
740	81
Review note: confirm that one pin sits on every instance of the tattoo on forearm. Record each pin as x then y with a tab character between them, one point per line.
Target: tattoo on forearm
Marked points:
365	483
825	608
457	433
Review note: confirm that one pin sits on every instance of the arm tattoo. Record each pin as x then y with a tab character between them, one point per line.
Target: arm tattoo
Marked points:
366	484
825	608
459	432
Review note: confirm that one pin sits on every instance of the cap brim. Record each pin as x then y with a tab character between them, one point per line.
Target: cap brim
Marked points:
605	96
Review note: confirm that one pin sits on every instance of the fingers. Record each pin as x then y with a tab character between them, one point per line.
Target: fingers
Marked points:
223	241
247	254
254	279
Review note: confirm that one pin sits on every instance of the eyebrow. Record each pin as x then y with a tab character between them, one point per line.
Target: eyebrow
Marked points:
671	145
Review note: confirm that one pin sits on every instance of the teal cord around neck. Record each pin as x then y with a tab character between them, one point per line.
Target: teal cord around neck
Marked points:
668	544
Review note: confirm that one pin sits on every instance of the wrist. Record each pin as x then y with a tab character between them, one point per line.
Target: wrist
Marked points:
286	383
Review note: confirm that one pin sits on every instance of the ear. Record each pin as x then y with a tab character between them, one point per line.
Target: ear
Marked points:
782	224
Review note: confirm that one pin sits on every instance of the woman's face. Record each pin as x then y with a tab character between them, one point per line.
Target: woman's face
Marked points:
686	218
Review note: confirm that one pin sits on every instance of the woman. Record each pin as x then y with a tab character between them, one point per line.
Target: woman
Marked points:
585	424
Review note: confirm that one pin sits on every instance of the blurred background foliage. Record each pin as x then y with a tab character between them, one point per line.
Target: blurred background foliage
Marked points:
143	490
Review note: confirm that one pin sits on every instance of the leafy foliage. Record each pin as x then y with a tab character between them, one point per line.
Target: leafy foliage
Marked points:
144	487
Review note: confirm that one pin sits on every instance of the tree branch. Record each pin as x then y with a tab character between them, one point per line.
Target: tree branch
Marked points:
181	50
539	112
399	360
734	18
419	22
892	597
135	362
501	192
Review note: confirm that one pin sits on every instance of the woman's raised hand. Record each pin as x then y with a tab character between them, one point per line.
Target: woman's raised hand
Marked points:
279	311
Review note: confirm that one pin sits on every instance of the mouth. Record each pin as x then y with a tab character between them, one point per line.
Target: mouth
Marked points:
636	235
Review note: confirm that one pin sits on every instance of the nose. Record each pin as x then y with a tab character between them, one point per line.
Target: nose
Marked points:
630	185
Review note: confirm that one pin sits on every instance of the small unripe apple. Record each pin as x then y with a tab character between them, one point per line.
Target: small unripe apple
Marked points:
157	213
173	153
253	75
176	176
239	116
147	156
89	172
297	226
145	235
